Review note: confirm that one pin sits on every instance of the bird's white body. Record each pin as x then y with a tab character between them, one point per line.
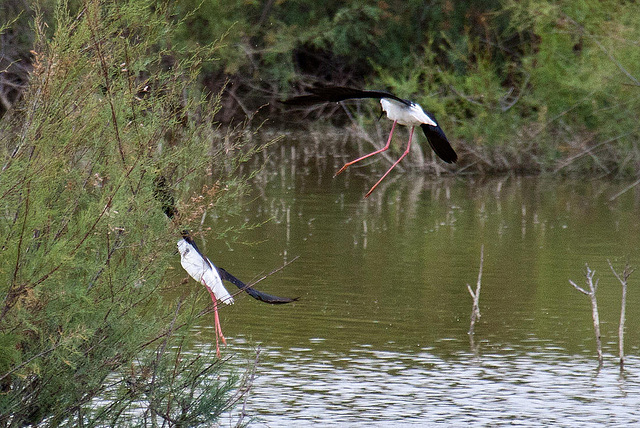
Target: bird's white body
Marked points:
200	268
408	115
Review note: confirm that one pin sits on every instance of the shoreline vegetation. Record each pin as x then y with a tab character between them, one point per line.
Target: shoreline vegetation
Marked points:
100	101
95	329
518	87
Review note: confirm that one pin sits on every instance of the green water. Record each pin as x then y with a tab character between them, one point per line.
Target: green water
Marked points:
379	335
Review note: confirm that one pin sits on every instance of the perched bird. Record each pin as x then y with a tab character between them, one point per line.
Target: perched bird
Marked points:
398	110
200	268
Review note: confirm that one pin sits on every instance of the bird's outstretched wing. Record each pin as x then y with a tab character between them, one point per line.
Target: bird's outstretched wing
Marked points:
439	143
258	295
323	94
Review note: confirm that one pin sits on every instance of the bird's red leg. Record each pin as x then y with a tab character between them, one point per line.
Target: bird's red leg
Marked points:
386	147
406	152
217	323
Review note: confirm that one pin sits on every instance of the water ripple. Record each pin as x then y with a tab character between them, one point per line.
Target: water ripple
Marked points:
368	387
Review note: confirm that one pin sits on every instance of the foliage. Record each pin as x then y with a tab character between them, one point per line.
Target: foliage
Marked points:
532	86
85	334
270	44
550	85
517	85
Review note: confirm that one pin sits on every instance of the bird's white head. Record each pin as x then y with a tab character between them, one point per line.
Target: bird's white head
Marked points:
183	247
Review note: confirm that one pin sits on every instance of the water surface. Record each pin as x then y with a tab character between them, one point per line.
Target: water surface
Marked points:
379	336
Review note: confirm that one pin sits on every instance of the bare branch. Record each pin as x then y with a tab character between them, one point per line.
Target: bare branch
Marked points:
623	281
244	391
276	270
605	50
593	287
24	363
473	296
589	150
475	311
577	287
625	190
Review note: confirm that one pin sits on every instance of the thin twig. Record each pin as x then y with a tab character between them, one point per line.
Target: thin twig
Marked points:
107	80
24	363
627	271
605	50
14	292
276	270
465	97
593	287
247	388
475	312
589	150
625	190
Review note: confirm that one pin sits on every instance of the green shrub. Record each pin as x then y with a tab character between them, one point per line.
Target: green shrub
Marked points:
86	336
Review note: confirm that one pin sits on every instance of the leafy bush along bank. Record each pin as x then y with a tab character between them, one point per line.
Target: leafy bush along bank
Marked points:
530	86
533	86
86	336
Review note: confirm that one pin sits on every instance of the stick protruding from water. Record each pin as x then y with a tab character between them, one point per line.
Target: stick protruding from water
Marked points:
475	311
593	287
623	278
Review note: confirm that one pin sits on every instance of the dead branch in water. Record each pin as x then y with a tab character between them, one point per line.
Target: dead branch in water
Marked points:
626	273
593	287
475	312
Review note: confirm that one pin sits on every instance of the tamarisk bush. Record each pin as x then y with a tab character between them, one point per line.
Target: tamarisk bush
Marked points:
86	337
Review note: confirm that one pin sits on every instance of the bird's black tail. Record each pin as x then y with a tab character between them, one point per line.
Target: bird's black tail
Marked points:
226	276
439	143
258	295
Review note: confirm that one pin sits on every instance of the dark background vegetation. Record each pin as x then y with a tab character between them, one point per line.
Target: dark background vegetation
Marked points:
518	86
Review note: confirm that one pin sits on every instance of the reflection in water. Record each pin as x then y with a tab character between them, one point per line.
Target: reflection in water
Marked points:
380	334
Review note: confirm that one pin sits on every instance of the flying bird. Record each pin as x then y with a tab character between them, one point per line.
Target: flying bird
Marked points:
200	268
398	110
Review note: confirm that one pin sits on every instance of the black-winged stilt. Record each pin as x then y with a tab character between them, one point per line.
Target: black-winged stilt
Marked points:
200	268
398	110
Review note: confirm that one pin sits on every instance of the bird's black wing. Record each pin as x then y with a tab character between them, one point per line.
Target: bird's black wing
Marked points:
323	94
439	143
258	295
